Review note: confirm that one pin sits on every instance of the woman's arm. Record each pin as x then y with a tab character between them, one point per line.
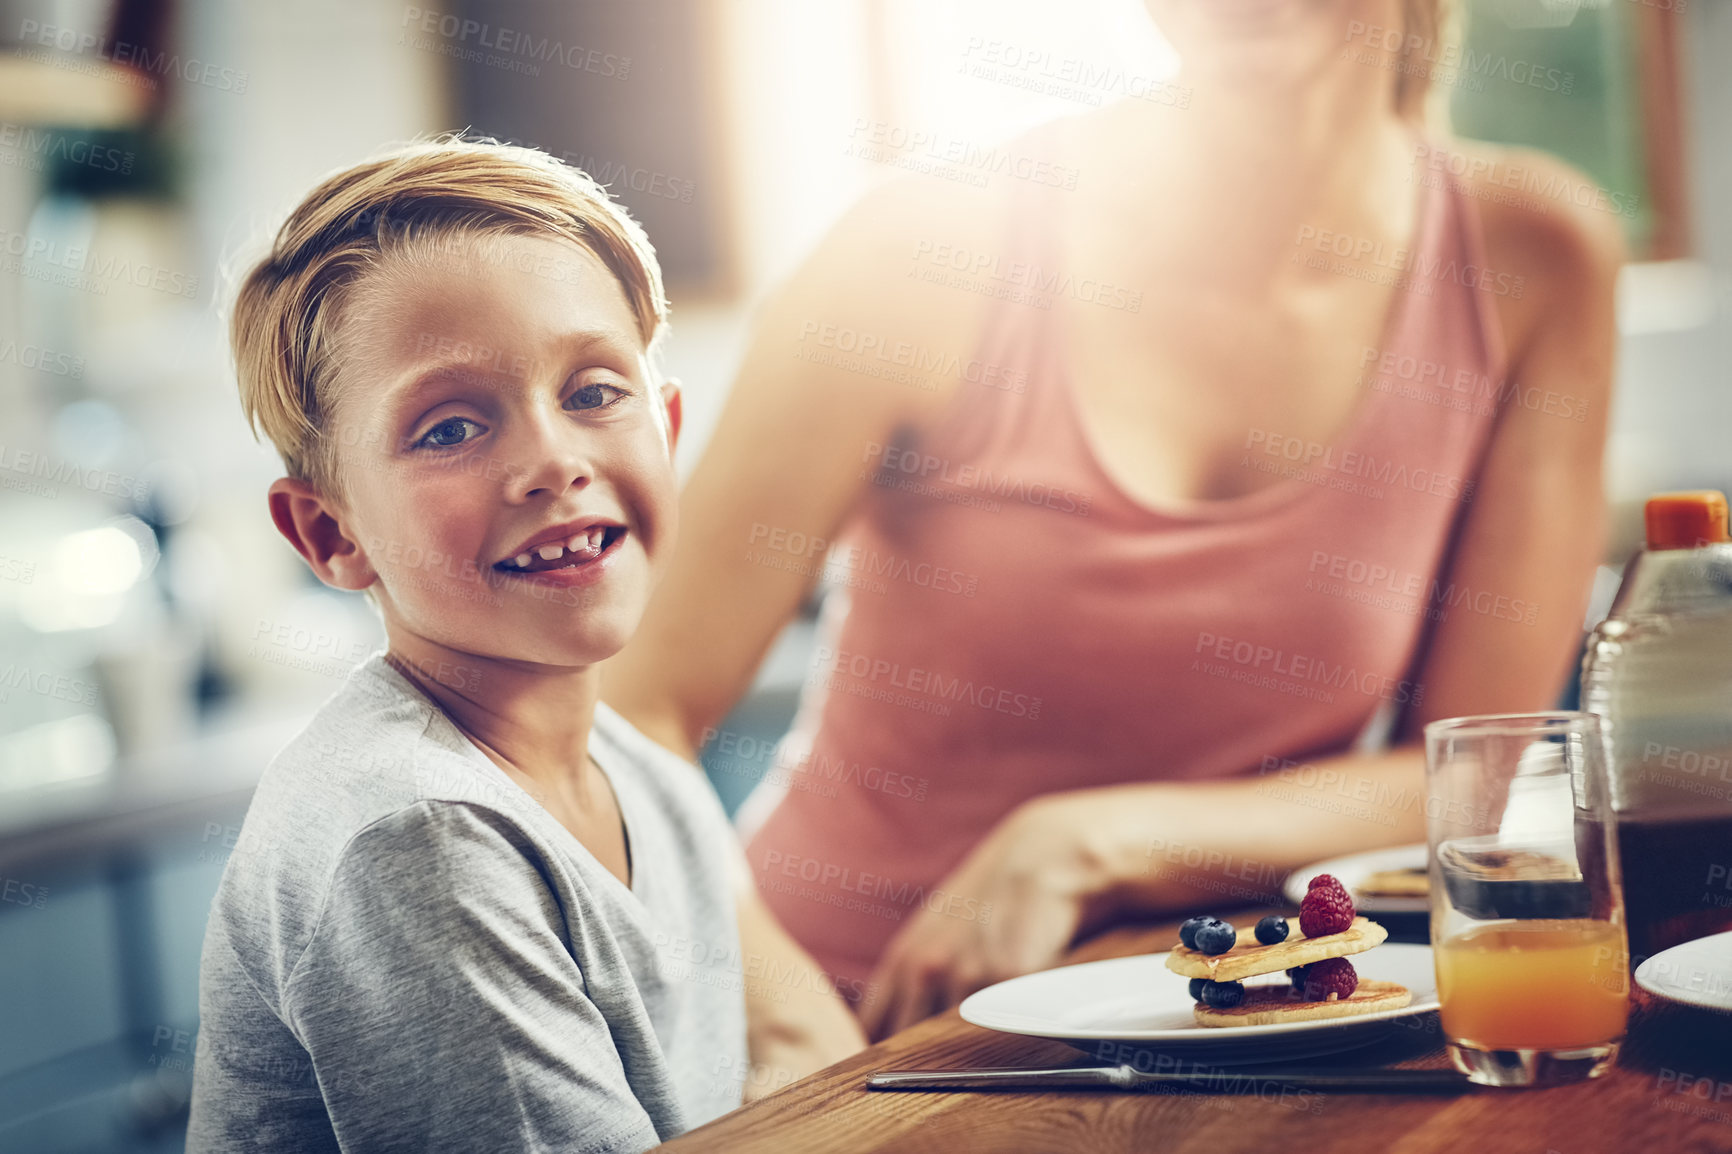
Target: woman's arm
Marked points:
1068	862
780	475
790	455
1533	533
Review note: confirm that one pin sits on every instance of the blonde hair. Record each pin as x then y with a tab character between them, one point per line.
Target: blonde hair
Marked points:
1422	23
287	308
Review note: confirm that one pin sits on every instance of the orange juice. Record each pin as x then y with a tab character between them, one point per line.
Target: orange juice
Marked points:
1534	985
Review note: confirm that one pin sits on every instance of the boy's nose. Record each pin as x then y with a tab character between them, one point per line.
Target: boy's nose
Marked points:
549	464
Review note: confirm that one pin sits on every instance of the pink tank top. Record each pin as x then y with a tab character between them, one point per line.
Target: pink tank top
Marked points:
1015	624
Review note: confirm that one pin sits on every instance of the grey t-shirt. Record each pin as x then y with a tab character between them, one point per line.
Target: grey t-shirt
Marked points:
407	952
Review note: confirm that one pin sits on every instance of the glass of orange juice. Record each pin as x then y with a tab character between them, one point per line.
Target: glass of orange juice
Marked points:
1527	918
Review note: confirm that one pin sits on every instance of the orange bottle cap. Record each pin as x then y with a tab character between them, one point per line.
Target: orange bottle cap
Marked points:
1686	520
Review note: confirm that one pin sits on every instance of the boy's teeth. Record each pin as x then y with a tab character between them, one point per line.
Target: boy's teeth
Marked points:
589	542
587	545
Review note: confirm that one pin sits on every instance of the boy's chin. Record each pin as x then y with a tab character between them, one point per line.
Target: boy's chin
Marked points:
590	643
593	638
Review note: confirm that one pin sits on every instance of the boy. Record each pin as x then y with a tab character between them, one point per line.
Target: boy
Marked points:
446	923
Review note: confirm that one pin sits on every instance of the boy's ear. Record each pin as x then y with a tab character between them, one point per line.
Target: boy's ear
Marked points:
673	401
309	522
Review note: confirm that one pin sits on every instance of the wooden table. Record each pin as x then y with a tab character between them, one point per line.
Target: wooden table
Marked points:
1670	1093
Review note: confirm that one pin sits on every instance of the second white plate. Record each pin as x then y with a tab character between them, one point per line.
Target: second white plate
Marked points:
1697	973
1355	868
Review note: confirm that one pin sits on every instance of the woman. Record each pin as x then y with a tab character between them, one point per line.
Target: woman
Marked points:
1227	461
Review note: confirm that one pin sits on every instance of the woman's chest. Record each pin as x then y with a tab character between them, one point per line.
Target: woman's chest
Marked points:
1171	397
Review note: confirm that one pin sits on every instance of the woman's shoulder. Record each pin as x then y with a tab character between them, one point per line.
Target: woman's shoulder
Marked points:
960	214
869	263
1550	227
1537	207
973	185
894	281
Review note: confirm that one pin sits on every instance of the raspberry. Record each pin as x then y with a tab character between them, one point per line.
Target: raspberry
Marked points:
1326	909
1330	978
1317	880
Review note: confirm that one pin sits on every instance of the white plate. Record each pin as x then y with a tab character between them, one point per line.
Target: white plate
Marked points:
1697	973
1356	868
1139	1000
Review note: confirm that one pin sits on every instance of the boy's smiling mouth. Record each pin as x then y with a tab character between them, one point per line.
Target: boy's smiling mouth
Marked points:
564	547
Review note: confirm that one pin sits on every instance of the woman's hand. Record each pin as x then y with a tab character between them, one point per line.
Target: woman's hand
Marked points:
1071	861
1010	908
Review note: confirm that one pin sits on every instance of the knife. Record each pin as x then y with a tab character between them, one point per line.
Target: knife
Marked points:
1220	1081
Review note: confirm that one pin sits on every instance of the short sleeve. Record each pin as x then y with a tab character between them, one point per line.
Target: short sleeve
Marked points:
440	1005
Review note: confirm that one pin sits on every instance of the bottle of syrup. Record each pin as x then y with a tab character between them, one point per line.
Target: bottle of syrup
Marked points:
1658	671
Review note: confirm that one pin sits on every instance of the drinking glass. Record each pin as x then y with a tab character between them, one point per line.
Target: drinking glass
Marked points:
1527	918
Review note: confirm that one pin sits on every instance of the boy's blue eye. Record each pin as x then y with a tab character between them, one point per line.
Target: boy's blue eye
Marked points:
594	396
448	433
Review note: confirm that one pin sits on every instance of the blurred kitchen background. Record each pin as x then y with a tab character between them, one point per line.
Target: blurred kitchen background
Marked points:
158	641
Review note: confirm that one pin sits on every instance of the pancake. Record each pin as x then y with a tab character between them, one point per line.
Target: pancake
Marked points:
1274	1004
1407	883
1249	957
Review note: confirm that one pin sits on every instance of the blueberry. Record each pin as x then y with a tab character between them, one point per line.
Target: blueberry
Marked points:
1271	930
1296	975
1197	985
1188	931
1223	995
1215	936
